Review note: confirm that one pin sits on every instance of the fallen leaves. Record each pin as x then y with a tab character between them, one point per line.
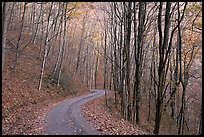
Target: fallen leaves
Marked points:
23	107
95	112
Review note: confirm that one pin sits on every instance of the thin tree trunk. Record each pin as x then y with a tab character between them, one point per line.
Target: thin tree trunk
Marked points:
175	85
42	67
10	20
45	51
200	124
19	38
96	70
4	25
161	67
139	58
59	51
183	81
129	22
105	67
36	30
63	44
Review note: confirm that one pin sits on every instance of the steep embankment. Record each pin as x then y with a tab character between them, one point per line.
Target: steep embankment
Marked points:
23	106
108	120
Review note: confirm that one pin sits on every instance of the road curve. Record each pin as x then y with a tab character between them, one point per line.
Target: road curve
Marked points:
67	119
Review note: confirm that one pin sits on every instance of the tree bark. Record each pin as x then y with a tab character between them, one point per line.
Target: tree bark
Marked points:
139	58
162	64
105	65
63	46
19	38
4	25
45	51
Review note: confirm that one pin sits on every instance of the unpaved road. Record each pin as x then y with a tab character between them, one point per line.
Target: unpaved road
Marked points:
67	119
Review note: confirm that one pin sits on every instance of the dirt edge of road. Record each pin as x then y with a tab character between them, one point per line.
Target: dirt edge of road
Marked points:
106	121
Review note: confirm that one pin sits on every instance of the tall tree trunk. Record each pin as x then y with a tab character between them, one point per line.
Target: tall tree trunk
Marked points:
96	70
175	85
183	78
129	22
135	44
182	113
105	65
162	64
37	25
19	38
10	20
4	26
60	47
45	50
63	44
139	58
200	124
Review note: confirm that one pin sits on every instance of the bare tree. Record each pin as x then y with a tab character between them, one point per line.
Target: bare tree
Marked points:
163	41
139	58
19	37
45	49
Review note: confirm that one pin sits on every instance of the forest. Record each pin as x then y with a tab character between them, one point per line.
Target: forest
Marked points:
148	54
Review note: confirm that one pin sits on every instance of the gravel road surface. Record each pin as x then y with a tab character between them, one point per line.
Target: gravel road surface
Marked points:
67	119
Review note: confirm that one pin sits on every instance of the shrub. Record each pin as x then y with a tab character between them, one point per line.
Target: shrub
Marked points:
68	83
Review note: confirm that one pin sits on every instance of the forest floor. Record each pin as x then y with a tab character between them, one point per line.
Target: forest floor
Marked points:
108	119
22	111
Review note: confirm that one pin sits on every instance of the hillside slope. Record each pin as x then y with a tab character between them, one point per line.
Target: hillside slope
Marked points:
23	106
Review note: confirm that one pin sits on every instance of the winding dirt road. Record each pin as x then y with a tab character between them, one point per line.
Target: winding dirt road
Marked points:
67	119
